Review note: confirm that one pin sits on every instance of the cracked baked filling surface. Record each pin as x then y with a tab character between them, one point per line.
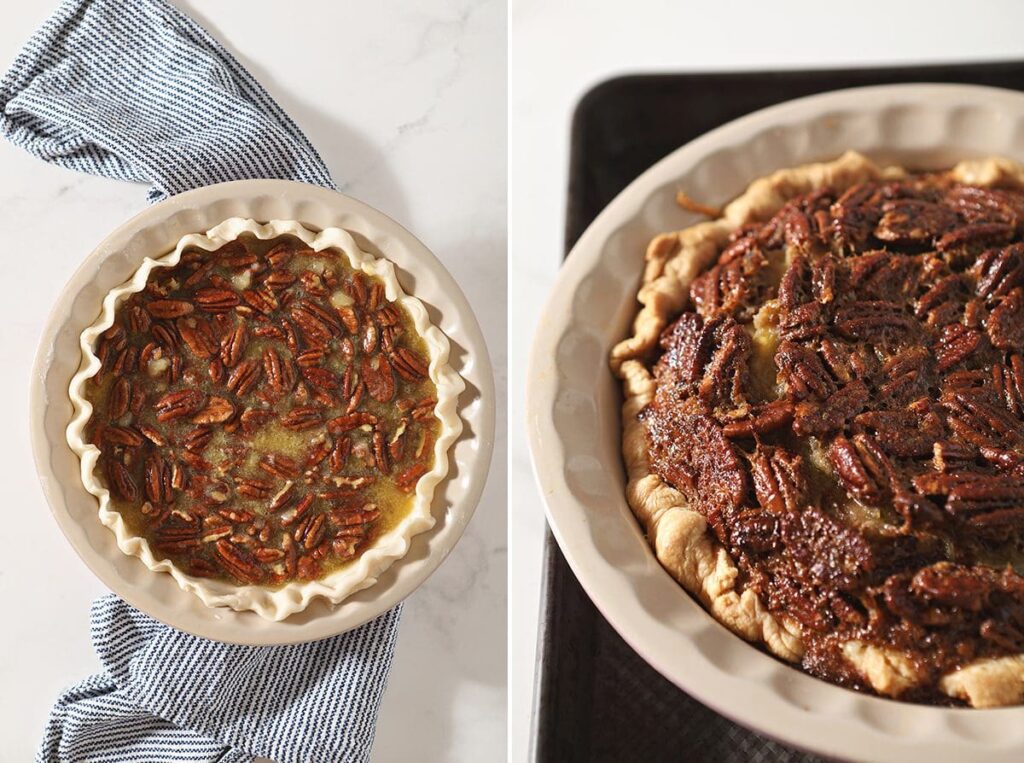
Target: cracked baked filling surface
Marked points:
824	423
265	414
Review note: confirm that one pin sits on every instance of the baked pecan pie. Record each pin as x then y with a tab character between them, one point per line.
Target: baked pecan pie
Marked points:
265	412
824	423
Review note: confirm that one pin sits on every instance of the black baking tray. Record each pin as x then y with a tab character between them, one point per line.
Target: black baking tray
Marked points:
595	698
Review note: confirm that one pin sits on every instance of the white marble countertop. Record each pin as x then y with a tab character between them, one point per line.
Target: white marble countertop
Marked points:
406	103
557	52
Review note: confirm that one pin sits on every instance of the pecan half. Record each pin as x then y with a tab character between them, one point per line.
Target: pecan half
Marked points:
169	308
124	436
197	334
244	377
912	220
121	481
864	469
873	320
263	301
303	417
956	344
779	482
351	421
216	300
1006	323
321	378
408	364
120	397
233	345
175	405
974	237
238	562
158	480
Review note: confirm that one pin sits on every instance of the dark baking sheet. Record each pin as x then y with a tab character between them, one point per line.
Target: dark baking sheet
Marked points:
596	699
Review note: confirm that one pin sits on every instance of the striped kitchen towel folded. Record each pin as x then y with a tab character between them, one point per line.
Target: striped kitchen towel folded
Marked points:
165	695
136	90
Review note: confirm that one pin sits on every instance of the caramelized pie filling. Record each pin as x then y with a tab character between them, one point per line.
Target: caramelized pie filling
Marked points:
262	412
844	402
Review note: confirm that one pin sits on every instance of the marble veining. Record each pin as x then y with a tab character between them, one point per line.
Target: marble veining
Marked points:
404	102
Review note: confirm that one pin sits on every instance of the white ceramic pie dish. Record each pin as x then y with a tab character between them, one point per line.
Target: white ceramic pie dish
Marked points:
156	231
573	409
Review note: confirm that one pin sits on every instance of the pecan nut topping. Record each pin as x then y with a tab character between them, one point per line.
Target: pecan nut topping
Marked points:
843	401
241	430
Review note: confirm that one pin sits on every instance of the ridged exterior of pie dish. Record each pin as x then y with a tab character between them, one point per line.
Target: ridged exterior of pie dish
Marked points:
278	603
574	417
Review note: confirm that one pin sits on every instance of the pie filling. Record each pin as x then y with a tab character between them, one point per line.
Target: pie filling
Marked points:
262	412
844	402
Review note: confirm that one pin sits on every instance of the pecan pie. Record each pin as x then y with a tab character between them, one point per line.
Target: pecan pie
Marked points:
824	423
265	414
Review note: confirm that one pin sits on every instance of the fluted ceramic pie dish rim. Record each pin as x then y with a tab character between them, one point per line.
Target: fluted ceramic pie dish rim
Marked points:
153	232
592	303
363	571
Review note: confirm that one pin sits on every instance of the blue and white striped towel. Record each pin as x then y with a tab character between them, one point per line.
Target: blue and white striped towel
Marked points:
165	695
135	89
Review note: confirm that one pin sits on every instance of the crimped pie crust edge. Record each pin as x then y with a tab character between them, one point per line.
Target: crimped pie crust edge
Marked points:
295	596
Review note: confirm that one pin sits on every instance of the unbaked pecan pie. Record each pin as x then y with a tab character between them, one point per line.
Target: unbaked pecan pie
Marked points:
824	423
266	407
